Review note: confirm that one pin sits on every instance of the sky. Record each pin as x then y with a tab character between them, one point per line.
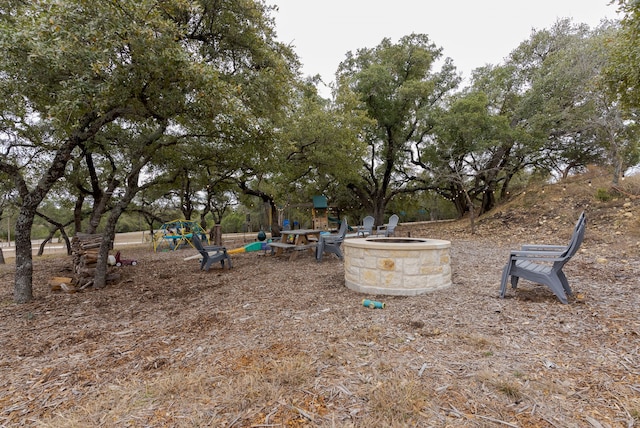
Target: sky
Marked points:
471	32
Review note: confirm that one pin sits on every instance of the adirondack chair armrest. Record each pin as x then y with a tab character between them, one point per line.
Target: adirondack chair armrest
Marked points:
536	247
546	256
217	248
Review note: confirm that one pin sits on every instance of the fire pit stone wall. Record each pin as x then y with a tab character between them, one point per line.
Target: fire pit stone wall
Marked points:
397	266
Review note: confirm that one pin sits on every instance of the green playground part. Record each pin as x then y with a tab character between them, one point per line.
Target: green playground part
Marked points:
254	246
320	202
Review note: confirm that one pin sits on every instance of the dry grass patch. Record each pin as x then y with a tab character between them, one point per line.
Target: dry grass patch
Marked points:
396	400
258	390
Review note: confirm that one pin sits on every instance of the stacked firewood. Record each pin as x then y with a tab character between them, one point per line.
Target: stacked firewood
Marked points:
84	253
84	250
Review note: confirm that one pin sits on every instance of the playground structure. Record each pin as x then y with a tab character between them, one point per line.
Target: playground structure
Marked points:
321	218
176	234
320	213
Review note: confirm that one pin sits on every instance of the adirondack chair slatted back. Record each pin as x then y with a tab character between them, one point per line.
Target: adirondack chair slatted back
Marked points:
367	226
197	243
393	222
576	238
389	228
342	232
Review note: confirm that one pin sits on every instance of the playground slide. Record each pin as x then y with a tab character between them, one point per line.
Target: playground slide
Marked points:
254	246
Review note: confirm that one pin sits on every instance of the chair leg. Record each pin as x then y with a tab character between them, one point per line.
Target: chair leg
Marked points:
565	283
503	283
555	284
319	250
514	281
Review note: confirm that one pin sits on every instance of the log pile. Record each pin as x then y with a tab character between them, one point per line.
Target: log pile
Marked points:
62	283
84	250
84	254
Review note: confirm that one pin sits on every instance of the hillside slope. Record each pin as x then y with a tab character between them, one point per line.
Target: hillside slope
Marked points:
547	213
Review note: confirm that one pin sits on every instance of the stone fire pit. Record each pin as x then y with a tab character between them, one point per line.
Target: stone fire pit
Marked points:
397	266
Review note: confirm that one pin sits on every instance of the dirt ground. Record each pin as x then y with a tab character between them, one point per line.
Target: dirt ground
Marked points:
278	343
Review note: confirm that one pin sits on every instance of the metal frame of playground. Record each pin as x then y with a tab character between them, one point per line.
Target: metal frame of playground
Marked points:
176	233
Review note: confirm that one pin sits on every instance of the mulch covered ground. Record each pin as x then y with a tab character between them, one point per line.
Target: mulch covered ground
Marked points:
274	342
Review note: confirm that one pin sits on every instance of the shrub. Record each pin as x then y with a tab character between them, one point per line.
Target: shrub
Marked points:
603	195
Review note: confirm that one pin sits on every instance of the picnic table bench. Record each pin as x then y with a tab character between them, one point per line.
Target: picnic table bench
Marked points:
286	246
303	239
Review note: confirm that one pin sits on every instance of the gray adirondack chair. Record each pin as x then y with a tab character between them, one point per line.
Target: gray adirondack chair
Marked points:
210	254
332	243
367	226
543	263
389	228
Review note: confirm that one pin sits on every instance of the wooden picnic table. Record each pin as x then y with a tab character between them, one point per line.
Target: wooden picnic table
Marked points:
296	240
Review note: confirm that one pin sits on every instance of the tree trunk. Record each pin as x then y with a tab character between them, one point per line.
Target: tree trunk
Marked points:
186	204
43	244
100	207
616	160
100	280
472	213
101	199
488	200
67	241
1	257
504	191
378	211
217	234
77	213
57	226
460	202
100	277
203	221
22	292
379	202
